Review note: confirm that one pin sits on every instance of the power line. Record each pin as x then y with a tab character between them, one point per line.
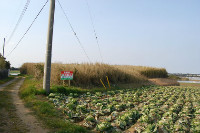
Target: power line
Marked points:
14	18
29	27
95	34
19	20
73	30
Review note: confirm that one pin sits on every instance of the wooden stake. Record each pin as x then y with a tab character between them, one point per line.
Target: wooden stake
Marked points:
63	82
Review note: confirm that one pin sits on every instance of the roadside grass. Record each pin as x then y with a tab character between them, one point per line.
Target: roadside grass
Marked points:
2	81
67	90
9	120
53	119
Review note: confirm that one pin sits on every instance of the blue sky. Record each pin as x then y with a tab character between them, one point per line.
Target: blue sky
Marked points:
158	33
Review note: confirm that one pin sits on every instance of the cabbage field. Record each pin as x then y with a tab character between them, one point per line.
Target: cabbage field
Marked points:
148	109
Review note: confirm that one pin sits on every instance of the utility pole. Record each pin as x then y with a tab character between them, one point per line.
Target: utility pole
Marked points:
47	66
4	41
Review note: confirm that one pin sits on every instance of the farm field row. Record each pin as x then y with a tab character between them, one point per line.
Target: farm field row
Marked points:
148	109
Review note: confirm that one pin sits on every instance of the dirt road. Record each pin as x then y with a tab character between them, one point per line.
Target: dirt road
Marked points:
8	83
14	117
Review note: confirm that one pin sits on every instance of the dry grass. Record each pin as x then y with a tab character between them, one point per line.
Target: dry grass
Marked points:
90	74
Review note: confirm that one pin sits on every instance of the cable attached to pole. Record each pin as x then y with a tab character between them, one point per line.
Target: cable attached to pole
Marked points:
95	34
74	31
19	20
28	28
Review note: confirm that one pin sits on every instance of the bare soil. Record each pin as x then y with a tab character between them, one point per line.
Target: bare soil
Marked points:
190	84
164	82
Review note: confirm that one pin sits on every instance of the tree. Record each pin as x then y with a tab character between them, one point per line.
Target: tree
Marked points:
3	63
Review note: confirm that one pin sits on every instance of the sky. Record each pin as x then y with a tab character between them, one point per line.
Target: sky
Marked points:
156	33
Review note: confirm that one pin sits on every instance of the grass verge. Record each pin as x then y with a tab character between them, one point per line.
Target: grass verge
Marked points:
53	119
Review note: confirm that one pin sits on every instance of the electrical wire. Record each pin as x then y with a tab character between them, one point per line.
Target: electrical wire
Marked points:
95	33
14	18
19	20
29	27
74	31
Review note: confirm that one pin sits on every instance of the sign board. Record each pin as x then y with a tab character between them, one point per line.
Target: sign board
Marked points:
66	75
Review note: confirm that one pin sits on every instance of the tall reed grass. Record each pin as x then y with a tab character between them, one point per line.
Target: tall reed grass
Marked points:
148	72
90	74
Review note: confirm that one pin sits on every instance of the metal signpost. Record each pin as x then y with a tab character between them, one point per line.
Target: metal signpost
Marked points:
66	75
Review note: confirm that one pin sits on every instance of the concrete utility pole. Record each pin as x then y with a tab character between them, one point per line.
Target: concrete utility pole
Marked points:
47	66
4	41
